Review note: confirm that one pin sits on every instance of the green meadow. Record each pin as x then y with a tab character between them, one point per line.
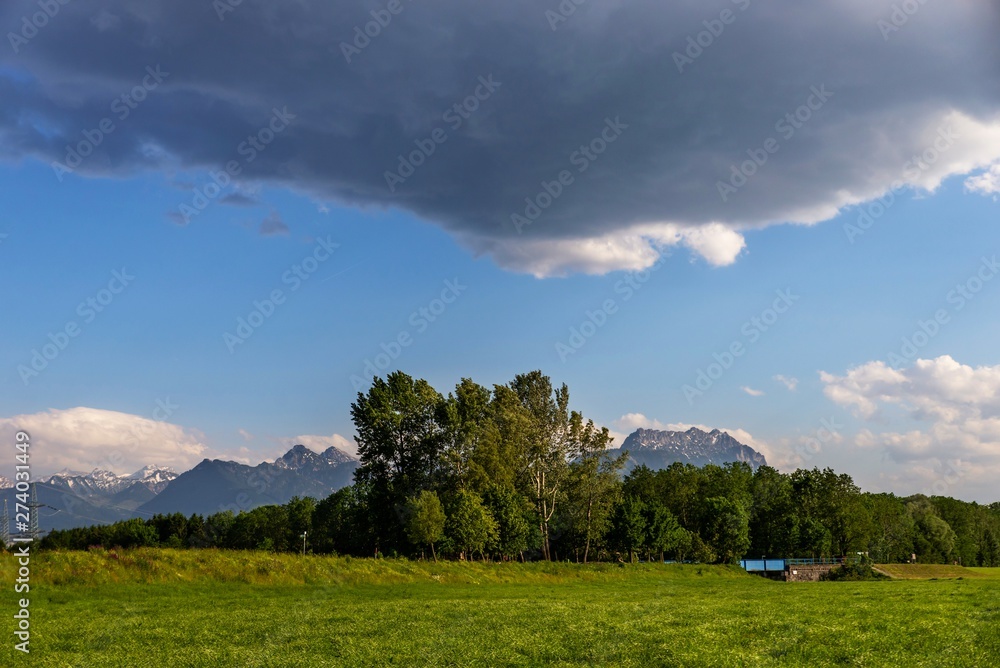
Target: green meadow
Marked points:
158	607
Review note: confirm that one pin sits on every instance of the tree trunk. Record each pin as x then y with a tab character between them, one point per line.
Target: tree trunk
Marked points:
434	553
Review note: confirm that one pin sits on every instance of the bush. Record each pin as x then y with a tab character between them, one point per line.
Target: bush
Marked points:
854	571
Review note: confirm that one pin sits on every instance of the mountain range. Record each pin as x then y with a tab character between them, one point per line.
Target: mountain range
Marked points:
215	485
659	449
73	498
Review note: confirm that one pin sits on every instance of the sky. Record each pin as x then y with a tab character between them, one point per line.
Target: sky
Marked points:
219	220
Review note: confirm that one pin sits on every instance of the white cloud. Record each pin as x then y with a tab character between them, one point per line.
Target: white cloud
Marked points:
987	183
247	436
952	412
790	382
87	438
752	392
321	443
634	249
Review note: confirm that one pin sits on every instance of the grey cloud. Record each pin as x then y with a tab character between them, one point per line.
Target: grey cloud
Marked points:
656	182
273	225
239	199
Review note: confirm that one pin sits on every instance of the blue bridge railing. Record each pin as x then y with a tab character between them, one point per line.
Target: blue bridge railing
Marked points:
775	565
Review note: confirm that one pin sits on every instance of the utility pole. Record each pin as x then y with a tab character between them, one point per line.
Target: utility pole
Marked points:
33	507
5	532
304	543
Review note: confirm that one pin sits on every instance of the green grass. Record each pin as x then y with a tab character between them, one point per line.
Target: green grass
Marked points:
167	607
929	571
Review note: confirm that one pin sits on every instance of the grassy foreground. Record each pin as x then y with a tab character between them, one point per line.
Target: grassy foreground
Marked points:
212	608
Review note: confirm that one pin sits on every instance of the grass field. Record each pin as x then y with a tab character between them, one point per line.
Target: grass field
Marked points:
934	571
166	607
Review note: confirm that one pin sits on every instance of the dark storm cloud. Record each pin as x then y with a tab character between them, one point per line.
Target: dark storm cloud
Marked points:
531	90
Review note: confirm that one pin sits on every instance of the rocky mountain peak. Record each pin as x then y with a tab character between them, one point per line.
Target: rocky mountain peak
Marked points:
658	448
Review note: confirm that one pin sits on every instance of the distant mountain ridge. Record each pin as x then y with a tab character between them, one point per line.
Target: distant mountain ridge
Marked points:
215	485
99	483
75	498
659	449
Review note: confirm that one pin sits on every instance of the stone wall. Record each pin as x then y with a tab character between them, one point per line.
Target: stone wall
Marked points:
807	573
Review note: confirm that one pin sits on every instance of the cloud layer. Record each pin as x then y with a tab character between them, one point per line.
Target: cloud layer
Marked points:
588	127
953	411
82	439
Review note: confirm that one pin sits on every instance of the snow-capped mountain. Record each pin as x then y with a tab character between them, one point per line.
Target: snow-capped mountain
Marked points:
100	484
155	478
659	449
76	498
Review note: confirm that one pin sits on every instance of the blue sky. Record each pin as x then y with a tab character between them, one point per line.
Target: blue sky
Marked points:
686	273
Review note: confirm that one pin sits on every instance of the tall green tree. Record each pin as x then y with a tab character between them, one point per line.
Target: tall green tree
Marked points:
511	511
772	514
628	526
400	444
469	524
726	528
425	522
548	445
593	482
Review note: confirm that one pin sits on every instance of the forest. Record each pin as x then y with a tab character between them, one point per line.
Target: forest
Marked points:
512	473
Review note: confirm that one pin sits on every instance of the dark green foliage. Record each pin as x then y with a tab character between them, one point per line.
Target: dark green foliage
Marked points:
512	512
470	526
858	569
425	520
628	526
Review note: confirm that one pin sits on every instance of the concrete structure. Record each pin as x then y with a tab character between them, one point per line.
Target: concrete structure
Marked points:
807	572
791	570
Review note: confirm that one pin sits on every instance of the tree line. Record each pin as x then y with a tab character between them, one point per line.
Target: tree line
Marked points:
511	473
